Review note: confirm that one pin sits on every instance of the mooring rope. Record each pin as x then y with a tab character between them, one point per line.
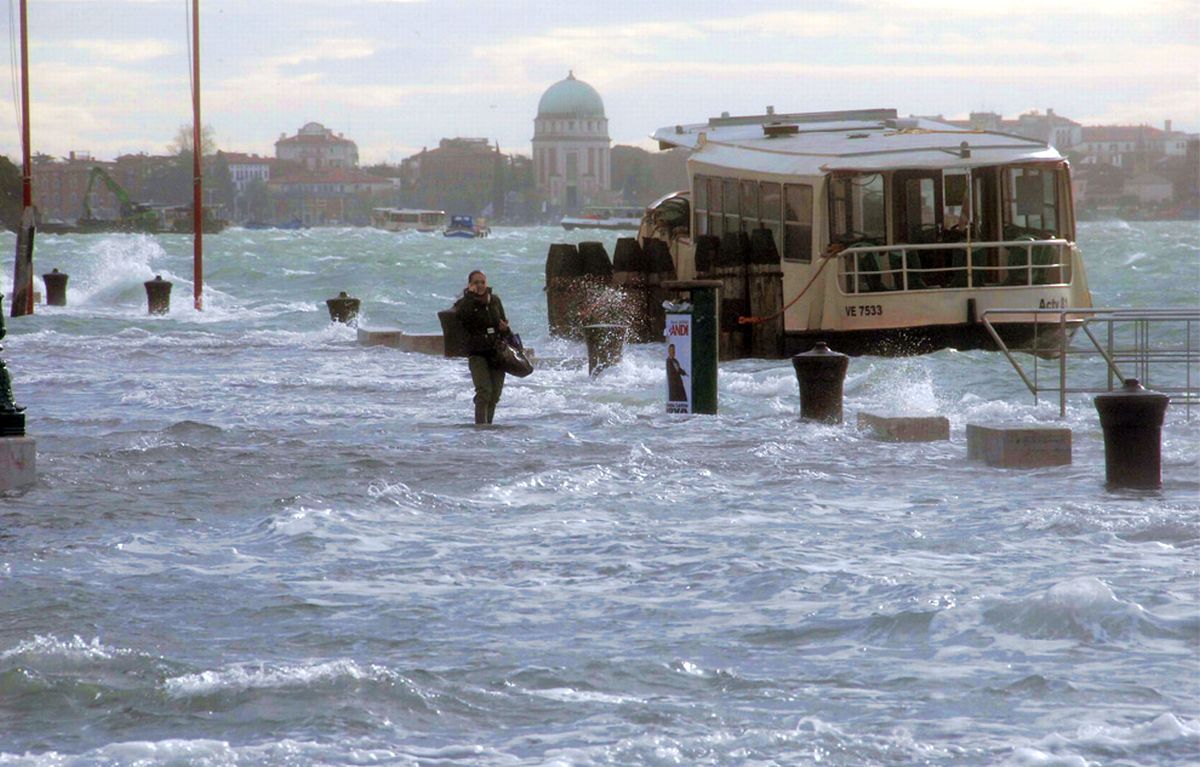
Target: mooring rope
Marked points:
826	257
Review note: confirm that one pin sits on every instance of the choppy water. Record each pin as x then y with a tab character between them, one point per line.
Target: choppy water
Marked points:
253	541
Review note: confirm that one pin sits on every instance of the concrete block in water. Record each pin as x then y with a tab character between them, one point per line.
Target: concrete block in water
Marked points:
919	428
421	343
18	462
1019	446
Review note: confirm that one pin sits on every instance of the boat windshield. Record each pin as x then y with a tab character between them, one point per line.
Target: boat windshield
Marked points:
857	209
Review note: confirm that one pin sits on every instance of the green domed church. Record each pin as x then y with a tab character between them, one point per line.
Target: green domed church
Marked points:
571	146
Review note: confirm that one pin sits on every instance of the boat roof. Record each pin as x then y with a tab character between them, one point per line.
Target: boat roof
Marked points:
868	140
408	210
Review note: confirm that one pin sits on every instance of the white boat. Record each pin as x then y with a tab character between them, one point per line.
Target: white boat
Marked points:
597	217
408	219
894	235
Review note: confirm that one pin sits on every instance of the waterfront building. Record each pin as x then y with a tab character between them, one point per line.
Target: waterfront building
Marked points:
341	196
462	176
244	169
571	146
317	148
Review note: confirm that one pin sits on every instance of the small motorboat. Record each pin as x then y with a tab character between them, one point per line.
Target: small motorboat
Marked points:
466	227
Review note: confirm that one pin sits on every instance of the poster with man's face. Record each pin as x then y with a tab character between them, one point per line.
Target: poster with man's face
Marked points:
678	335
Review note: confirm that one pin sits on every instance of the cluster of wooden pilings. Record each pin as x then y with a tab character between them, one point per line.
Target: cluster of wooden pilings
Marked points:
584	288
751	287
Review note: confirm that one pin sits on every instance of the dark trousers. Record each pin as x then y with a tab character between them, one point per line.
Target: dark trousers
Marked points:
489	382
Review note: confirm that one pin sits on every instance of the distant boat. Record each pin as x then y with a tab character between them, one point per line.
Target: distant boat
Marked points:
466	227
408	219
597	217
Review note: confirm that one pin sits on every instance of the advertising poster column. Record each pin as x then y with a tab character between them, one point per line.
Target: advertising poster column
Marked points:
678	333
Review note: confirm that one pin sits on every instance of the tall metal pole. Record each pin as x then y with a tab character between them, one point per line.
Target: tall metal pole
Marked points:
23	268
26	156
197	177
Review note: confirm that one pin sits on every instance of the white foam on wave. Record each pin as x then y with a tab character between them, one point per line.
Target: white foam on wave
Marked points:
571	695
241	678
114	270
1081	609
177	752
1164	732
75	648
900	385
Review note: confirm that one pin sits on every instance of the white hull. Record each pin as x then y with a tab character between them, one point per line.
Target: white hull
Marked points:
630	224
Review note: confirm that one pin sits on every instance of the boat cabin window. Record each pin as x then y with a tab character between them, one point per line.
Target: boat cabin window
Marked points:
1030	202
749	206
732	208
771	205
739	205
799	218
916	206
700	195
857	209
954	201
716	224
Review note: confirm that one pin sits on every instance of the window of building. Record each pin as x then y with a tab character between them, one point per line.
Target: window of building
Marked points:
591	161
798	212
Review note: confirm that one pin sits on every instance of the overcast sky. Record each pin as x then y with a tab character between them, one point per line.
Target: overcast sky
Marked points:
111	76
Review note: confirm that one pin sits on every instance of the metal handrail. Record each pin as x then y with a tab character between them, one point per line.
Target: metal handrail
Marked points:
851	264
1157	366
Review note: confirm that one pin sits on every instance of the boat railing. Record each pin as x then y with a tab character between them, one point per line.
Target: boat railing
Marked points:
1159	347
957	265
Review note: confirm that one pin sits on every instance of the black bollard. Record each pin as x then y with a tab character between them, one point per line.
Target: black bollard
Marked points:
56	288
158	295
821	373
1132	419
343	308
605	345
454	335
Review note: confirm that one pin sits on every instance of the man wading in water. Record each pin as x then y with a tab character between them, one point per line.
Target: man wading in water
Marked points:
482	317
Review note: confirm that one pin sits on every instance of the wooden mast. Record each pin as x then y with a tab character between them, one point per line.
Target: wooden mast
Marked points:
197	177
22	303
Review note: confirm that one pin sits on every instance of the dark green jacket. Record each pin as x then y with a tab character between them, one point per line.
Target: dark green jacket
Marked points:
481	320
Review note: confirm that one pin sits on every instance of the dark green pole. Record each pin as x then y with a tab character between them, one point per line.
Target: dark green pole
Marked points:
704	350
706	302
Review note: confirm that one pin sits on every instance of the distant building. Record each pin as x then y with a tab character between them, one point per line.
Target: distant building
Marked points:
339	196
316	148
571	146
246	168
462	176
1129	145
1053	129
1150	189
58	187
